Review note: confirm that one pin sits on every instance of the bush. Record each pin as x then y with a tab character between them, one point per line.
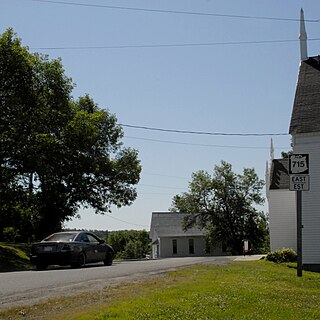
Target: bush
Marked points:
283	255
10	234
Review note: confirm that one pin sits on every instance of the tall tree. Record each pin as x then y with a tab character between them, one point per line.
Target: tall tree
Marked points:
223	205
56	154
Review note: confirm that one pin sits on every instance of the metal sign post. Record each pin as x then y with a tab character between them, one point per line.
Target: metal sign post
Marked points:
299	181
299	233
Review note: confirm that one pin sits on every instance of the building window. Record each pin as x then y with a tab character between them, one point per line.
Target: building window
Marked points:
191	246
174	246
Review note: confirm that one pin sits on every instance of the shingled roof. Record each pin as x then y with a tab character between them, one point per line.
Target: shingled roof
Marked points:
169	224
279	176
306	108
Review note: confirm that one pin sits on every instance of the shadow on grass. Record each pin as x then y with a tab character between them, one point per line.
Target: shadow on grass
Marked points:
14	258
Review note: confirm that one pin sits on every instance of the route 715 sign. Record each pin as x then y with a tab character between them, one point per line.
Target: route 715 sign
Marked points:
299	172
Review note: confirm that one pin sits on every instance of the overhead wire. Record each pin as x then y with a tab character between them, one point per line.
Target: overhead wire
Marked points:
202	144
202	132
163	187
179	45
171	45
192	13
127	222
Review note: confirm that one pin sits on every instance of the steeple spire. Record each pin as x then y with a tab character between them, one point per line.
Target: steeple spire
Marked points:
303	37
271	151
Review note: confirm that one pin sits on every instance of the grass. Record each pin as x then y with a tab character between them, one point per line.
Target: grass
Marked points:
241	290
14	257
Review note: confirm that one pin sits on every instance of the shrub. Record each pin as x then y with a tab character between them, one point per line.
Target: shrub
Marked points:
283	255
10	234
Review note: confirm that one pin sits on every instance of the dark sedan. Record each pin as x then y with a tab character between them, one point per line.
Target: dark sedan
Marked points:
70	248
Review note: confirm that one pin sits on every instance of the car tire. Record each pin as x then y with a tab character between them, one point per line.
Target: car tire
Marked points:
41	266
81	261
109	259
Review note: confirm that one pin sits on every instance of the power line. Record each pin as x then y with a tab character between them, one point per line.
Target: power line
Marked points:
134	224
203	145
192	13
163	187
202	132
164	175
156	193
177	45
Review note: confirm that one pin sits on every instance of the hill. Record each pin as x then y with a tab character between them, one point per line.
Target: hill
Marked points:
14	257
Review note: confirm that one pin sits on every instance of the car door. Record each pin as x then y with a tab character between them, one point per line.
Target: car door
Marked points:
98	252
87	246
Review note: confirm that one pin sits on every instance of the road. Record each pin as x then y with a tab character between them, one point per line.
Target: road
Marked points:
27	287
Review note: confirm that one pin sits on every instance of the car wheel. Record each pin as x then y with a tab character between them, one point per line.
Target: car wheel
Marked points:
82	260
108	260
41	266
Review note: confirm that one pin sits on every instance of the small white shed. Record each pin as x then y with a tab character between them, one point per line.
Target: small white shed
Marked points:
170	240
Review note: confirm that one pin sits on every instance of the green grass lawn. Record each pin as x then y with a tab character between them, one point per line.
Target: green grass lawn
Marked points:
241	290
14	257
258	290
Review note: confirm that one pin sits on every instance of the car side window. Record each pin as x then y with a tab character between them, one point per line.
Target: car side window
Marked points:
92	239
82	238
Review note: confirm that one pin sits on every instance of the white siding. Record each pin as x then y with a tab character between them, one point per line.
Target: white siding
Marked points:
166	247
182	247
282	219
310	199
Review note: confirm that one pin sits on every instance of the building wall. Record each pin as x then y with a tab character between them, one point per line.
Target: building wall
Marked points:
310	199
282	219
166	247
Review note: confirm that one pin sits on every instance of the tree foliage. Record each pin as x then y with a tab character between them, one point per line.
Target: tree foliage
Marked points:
57	154
130	244
224	205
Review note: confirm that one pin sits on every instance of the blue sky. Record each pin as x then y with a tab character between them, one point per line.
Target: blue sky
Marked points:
219	86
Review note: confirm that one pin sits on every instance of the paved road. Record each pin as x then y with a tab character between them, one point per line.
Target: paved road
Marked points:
26	287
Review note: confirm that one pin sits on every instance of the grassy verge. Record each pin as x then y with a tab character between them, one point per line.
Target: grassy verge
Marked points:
242	290
14	257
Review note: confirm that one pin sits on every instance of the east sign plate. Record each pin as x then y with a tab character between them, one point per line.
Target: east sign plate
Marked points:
299	172
299	183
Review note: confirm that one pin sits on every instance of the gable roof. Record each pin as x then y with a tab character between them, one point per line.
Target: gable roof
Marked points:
279	175
169	224
305	116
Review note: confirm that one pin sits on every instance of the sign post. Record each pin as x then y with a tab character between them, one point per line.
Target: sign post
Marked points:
299	181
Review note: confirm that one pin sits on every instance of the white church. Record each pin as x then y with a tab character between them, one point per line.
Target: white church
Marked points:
305	132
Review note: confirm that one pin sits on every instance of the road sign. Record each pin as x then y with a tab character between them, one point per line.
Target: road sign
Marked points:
299	182
299	164
299	172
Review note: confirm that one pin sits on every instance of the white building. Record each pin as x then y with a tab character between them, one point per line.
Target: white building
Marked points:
170	240
282	207
305	131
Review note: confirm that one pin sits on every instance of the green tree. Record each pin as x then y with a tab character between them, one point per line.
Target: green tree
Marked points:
223	205
286	154
130	244
57	154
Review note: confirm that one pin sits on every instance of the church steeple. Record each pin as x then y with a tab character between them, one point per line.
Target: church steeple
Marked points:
271	151
303	37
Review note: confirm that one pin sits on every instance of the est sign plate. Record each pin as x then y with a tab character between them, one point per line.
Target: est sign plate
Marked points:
299	172
299	182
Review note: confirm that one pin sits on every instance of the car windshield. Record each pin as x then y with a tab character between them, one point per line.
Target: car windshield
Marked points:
63	237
